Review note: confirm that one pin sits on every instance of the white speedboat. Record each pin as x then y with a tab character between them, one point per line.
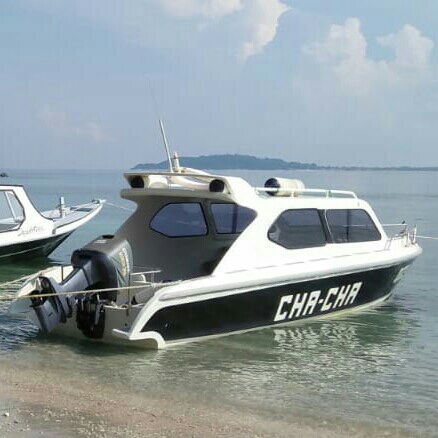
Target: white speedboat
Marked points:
206	255
26	232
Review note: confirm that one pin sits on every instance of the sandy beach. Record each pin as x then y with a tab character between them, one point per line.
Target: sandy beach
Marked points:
80	406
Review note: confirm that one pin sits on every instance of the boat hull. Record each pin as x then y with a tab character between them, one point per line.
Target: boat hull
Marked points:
162	321
32	248
274	305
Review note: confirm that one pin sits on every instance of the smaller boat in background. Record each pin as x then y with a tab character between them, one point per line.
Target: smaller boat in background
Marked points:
3	175
26	232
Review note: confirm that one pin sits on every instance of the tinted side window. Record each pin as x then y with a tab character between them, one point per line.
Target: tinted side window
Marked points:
180	220
231	218
11	211
298	229
351	226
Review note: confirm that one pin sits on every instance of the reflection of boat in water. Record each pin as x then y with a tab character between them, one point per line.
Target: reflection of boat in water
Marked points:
206	255
26	232
371	330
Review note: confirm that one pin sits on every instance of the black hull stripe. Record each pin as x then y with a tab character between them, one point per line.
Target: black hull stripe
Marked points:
34	248
274	305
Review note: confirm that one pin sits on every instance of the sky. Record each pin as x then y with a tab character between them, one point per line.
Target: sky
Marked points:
83	83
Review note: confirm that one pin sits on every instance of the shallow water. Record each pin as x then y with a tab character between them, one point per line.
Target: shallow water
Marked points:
377	367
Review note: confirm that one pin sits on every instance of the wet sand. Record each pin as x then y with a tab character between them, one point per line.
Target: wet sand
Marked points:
81	406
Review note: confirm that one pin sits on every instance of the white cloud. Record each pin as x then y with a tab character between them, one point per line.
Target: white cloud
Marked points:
259	18
342	42
260	25
205	8
344	51
412	50
63	128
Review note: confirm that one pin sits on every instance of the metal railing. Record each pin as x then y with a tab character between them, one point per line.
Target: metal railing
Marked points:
408	235
322	193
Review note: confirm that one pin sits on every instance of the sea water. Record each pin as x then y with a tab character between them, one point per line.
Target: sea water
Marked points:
377	367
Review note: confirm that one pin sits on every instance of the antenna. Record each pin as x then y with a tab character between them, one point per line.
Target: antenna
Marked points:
163	133
166	146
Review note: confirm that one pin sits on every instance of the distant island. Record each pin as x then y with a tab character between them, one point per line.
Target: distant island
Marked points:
249	162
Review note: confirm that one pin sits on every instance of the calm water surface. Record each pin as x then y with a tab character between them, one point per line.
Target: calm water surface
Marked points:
378	367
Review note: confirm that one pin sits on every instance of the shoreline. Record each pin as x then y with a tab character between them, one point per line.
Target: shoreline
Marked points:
80	406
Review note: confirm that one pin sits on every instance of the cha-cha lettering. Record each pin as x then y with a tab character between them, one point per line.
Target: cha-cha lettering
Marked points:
302	304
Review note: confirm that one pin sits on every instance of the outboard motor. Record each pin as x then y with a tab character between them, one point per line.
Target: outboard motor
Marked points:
106	262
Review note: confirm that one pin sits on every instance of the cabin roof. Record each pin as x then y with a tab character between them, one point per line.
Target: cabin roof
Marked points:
190	183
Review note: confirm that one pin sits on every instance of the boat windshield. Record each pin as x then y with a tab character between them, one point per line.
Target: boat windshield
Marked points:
11	211
351	226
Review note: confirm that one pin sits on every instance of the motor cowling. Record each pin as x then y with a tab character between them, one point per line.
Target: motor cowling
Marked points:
106	263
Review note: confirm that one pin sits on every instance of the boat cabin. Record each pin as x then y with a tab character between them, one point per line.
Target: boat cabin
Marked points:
191	225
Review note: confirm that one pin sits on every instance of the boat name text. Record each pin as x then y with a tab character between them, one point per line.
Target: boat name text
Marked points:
307	303
30	230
